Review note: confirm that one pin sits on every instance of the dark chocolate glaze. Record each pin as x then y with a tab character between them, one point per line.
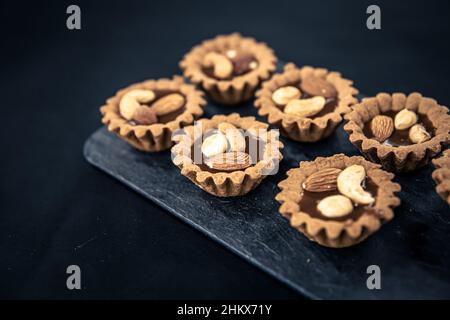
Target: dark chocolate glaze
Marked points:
249	140
167	117
309	201
400	137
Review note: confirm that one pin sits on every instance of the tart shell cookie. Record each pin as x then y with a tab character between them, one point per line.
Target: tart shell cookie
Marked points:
398	158
236	89
157	136
332	233
227	184
302	128
442	175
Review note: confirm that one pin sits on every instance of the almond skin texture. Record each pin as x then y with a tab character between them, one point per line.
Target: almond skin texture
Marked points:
322	181
315	86
230	161
168	104
145	115
382	127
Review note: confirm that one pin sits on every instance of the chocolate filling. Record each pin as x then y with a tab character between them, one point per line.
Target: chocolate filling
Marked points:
241	65
309	201
250	140
330	106
400	137
167	117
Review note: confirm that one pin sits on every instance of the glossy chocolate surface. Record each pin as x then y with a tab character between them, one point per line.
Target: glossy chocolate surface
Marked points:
249	141
309	201
400	137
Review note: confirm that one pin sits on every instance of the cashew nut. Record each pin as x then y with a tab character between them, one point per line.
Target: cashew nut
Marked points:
132	100
221	64
349	184
335	206
283	95
418	134
305	107
405	119
214	144
236	139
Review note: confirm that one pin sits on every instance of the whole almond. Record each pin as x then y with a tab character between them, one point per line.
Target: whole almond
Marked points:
168	104
322	181
315	86
145	115
230	161
382	127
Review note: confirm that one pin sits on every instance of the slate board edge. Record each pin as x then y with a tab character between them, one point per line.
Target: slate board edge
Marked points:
91	160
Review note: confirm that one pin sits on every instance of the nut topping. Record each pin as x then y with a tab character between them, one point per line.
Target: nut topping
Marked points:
168	104
316	86
145	115
230	161
349	184
405	119
382	127
322	181
214	144
418	134
335	206
305	107
236	139
223	68
132	100
283	95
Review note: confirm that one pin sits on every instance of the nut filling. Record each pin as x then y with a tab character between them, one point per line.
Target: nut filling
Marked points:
399	128
310	200
218	153
158	106
311	98
229	64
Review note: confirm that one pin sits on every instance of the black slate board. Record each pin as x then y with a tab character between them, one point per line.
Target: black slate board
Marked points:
413	250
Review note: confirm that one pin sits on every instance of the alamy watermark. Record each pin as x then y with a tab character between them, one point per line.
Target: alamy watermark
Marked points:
373	282
74	279
374	19
73	21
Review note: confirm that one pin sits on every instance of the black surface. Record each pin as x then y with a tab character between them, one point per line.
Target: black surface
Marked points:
56	210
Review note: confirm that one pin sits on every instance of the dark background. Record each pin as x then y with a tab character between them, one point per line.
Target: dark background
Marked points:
56	210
